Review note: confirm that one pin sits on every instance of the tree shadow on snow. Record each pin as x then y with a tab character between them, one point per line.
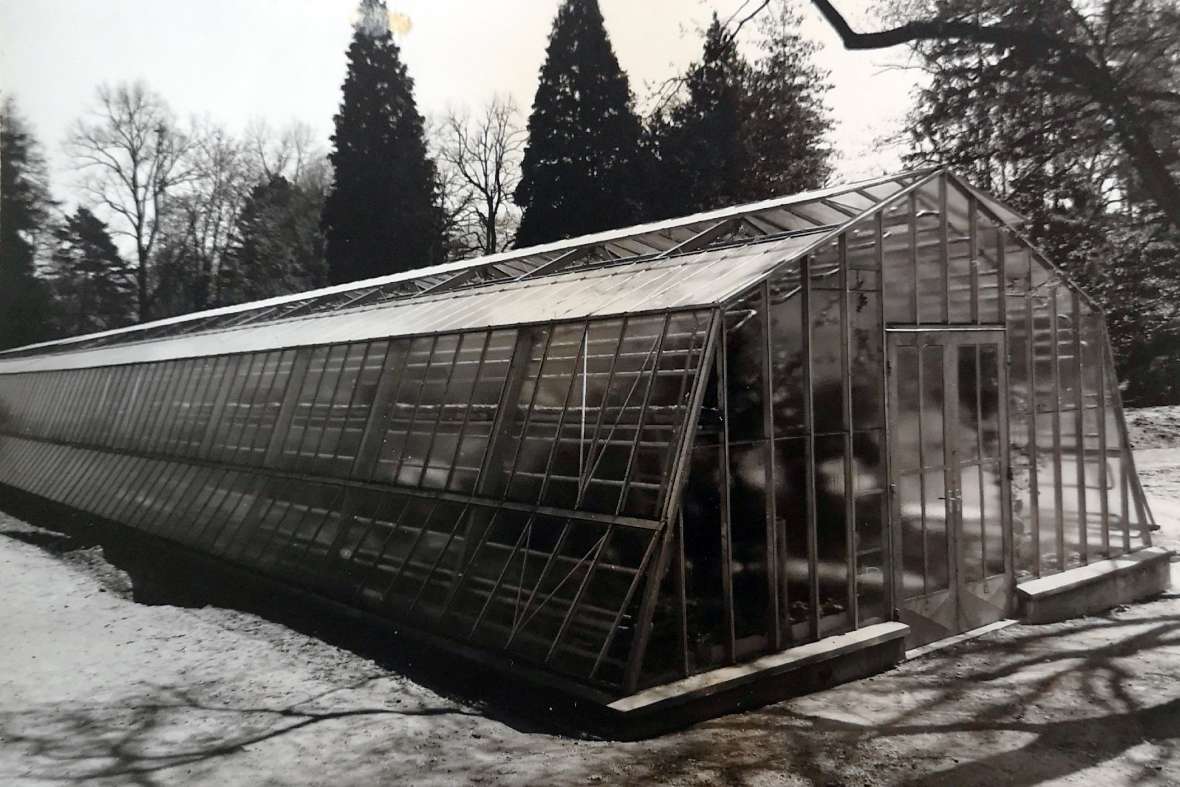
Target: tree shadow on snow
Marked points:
166	727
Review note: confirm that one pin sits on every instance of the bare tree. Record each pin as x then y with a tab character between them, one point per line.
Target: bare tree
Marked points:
287	152
479	160
132	156
196	223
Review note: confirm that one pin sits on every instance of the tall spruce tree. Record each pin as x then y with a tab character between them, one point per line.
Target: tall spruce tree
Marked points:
580	168
93	286
24	214
382	214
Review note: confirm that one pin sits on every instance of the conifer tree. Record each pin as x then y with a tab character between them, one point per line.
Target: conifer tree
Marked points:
702	147
787	123
276	247
382	213
742	131
24	214
580	167
93	286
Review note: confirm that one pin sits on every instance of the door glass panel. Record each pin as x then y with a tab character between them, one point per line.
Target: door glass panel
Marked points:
931	425
991	490
907	464
970	494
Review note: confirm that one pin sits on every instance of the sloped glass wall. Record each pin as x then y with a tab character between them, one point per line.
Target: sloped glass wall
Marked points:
500	486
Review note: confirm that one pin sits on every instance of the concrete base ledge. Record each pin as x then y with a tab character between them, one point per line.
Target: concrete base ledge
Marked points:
1096	587
800	670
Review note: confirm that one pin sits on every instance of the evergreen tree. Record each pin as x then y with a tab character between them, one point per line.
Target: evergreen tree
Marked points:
742	132
276	247
580	167
24	215
787	124
382	214
93	286
703	153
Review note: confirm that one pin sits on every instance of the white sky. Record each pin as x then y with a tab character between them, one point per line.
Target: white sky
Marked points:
238	60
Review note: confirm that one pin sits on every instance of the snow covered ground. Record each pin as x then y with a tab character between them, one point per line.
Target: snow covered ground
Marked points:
99	689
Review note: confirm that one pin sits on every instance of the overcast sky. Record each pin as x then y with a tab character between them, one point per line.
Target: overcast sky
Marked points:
238	60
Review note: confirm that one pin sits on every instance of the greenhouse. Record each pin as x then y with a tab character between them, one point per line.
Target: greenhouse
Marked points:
630	459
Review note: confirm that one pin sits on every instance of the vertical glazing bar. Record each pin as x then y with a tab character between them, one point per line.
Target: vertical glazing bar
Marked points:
681	594
981	451
726	484
1080	425
1002	276
921	369
973	257
776	541
887	534
952	472
1002	413
913	205
809	431
1058	480
850	546
1103	455
1034	491
944	222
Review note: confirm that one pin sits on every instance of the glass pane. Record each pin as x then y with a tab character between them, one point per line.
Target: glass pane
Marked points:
827	361
831	519
932	269
786	320
790	474
900	301
869	507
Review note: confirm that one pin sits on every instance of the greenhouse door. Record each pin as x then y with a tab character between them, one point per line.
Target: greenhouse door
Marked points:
948	429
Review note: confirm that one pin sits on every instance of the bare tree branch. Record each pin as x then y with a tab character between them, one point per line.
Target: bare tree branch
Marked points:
1056	55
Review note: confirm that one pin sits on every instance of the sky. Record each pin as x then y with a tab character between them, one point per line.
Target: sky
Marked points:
238	61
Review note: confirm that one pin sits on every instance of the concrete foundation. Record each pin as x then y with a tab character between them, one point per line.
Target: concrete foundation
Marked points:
801	670
1096	587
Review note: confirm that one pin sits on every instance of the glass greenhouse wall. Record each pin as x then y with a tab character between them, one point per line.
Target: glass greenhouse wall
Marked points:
632	457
